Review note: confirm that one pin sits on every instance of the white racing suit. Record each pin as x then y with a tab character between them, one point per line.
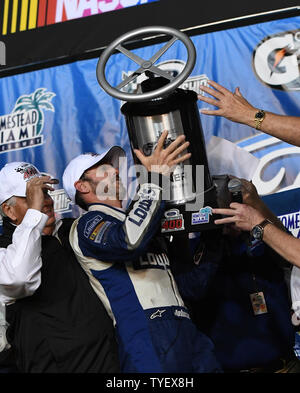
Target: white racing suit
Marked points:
129	270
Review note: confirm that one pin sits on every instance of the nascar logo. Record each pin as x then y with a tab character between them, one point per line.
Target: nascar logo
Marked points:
21	15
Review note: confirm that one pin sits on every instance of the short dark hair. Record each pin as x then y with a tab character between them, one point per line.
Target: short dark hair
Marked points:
78	196
79	201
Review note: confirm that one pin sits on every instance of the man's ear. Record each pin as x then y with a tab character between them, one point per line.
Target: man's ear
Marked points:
9	211
82	186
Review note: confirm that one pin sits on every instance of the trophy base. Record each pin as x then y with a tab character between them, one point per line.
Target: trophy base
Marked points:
178	220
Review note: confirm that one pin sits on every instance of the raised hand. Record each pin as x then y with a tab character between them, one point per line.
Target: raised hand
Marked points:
164	160
245	217
232	106
36	189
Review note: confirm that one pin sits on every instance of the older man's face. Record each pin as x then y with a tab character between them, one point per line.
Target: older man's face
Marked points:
48	209
21	207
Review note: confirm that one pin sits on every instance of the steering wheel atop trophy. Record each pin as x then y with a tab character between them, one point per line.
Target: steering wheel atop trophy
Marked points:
146	65
160	104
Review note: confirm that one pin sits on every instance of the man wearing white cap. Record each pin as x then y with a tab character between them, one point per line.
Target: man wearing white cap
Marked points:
56	328
26	206
20	262
128	266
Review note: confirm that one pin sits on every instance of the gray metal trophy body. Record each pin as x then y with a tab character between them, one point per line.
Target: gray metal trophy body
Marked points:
160	106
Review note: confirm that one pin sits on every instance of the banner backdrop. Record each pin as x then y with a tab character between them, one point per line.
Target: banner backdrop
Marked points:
44	33
47	117
38	13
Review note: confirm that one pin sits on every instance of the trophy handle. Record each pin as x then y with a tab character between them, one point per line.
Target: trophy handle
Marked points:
146	65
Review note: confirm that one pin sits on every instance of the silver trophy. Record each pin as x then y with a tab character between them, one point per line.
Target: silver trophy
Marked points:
159	104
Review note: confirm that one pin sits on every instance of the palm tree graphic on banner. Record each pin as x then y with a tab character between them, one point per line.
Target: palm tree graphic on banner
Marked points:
38	100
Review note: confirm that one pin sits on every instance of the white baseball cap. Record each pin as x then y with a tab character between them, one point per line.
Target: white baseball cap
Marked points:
13	179
81	163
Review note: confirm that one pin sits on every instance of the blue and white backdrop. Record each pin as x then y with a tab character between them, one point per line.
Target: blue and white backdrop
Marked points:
47	117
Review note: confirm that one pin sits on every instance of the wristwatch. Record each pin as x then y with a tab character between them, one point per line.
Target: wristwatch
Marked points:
257	232
258	118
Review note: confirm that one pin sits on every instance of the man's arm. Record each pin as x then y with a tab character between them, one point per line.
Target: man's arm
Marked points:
246	217
20	262
102	236
251	198
283	243
252	212
111	239
234	107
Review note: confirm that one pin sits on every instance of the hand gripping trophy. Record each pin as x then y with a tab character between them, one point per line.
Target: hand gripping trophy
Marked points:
161	105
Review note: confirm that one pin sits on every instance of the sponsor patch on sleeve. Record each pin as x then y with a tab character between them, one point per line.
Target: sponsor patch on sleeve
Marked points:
102	232
96	231
91	225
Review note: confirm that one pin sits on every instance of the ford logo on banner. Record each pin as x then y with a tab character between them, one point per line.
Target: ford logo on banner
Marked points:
279	166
